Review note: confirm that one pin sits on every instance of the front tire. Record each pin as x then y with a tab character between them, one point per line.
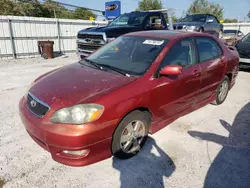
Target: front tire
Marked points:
222	91
201	30
130	135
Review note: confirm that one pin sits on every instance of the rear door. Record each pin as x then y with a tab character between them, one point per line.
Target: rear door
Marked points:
177	94
213	64
210	25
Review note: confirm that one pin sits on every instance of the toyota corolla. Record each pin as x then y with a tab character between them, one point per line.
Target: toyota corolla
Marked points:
108	103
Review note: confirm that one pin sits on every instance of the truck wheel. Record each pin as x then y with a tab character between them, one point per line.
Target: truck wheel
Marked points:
222	91
130	135
201	30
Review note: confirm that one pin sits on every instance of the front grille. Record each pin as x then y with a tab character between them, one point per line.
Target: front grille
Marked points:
88	42
36	106
88	47
84	36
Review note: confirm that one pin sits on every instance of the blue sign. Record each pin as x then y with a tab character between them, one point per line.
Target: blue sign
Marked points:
112	9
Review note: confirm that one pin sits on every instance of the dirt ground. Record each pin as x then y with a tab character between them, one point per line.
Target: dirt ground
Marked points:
207	148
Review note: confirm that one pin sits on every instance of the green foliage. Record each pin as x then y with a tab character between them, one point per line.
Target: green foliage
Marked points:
203	6
8	7
149	5
230	20
48	9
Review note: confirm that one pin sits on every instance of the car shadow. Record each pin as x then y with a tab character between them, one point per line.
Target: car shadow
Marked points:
231	167
149	168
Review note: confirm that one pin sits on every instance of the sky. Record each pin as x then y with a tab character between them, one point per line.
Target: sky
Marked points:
232	8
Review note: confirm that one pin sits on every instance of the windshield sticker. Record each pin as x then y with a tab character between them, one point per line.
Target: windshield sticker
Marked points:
154	42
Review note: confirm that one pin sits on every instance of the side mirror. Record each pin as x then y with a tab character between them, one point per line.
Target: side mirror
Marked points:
239	34
171	70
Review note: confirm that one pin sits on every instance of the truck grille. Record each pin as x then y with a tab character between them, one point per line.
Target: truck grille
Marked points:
88	47
36	106
87	42
84	36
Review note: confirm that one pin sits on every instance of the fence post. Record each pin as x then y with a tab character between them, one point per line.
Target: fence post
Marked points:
170	21
12	39
58	35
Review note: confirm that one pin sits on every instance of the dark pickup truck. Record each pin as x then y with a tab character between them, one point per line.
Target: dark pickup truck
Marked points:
90	39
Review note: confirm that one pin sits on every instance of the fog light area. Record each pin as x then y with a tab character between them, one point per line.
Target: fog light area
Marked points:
76	153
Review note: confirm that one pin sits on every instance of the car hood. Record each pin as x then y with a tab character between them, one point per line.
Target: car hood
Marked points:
188	23
75	84
112	31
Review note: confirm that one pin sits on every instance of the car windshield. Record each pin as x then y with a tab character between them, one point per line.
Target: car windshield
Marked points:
131	19
246	38
130	54
195	18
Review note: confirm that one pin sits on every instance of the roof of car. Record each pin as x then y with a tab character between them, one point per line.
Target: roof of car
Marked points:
166	34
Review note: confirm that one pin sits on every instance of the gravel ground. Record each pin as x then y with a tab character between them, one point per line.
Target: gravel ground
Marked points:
207	148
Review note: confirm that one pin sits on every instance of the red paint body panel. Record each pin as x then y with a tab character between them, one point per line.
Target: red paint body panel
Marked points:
167	98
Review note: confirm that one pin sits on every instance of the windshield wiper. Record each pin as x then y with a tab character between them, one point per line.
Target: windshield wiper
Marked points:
93	63
114	69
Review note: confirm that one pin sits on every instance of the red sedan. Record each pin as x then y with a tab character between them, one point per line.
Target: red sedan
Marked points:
108	103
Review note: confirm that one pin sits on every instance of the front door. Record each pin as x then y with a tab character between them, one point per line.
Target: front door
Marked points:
177	94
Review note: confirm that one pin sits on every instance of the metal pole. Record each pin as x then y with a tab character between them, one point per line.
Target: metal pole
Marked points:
170	21
58	35
12	39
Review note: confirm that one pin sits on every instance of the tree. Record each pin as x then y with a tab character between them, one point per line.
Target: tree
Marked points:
230	20
8	7
84	14
149	5
203	6
48	9
33	8
248	14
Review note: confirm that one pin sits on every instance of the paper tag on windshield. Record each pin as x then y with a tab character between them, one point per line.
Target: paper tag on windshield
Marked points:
154	42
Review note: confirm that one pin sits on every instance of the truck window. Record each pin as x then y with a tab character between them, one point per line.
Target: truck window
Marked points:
134	18
152	21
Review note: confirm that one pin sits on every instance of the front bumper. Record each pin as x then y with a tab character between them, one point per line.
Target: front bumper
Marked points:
56	138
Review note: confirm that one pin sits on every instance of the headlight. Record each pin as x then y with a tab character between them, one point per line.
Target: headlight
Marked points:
190	28
78	114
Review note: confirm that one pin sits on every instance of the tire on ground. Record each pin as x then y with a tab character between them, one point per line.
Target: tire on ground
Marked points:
116	149
218	101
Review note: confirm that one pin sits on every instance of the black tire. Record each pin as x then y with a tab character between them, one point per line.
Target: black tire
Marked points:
201	30
116	146
218	100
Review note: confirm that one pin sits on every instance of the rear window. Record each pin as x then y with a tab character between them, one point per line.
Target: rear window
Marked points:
132	54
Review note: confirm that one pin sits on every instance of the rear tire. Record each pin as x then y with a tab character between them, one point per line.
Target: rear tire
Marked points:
130	135
201	30
222	91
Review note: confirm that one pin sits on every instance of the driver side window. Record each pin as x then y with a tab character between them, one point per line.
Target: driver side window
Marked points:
182	54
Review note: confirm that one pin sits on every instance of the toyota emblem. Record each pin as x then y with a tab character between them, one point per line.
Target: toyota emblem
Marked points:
33	103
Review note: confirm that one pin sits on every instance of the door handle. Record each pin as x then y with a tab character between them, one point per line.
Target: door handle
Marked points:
196	73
